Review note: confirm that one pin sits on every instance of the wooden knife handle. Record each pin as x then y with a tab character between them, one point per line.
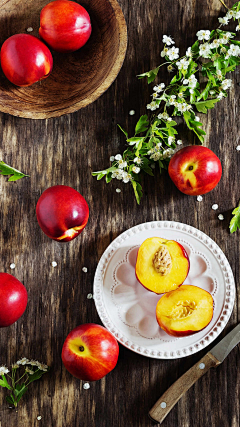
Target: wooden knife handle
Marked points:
164	405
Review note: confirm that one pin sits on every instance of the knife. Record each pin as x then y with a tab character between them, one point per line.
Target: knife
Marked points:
212	359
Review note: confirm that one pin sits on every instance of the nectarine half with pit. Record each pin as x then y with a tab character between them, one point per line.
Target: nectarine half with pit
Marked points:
162	265
184	311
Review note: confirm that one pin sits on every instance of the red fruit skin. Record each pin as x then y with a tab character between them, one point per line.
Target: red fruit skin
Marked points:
25	59
205	174
65	25
100	354
13	299
62	213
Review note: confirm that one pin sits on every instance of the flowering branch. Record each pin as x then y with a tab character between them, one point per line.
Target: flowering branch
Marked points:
17	387
213	55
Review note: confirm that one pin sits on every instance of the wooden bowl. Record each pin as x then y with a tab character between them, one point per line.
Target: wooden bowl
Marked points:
77	78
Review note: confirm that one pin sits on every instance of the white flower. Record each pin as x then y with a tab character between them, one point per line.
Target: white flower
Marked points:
168	40
197	119
169	68
223	21
150	151
135	169
155	156
219	74
182	64
116	174
192	81
163	116
112	158
185	82
118	157
128	177
173	53
164	52
212	92
159	88
215	44
180	95
179	142
122	164
168	152
205	50
138	160
152	106
238	27
172	100
231	14
237	16
226	84
22	361
158	145
189	52
182	107
221	95
42	367
33	362
154	95
203	35
15	366
169	119
171	139
233	51
223	50
3	370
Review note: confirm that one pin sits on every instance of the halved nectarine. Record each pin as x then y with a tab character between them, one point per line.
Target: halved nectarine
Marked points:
162	265
184	311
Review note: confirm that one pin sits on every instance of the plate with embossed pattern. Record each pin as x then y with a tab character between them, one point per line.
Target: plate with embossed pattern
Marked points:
127	309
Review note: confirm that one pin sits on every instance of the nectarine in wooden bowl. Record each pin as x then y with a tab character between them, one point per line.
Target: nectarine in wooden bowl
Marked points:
78	78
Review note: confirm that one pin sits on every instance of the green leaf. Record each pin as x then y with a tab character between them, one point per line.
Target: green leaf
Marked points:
36	375
108	178
203	106
10	400
235	221
124	131
235	42
4	381
135	139
152	75
204	93
195	47
8	170
194	126
137	191
142	124
100	176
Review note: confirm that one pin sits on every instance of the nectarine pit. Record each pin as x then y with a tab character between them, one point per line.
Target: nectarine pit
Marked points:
162	261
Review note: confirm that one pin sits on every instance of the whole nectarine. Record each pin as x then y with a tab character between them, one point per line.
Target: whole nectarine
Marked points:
13	299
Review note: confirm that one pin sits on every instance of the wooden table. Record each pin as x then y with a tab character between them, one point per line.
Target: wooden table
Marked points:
66	150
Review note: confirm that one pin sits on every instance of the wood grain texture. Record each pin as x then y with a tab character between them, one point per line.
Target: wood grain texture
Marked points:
66	150
78	78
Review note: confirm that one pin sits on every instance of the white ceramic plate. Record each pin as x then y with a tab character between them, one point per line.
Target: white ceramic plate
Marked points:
127	309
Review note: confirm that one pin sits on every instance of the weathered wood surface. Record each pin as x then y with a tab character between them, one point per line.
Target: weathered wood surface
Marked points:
66	150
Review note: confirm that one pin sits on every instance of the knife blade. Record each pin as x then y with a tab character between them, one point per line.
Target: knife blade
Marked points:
212	359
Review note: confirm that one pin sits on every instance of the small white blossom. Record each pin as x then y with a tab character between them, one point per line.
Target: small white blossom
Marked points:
150	152
185	82
170	69
163	116
215	44
219	74
189	52
237	16
223	50
173	53
179	142
238	147
169	119
182	107
158	145
180	95
168	40
86	386
197	119
159	88
29	371
138	160
182	64
131	113
171	139
220	95
238	27
54	264
199	198
136	169
233	51
112	158
84	269
203	35
33	363
221	217
3	370
118	157
169	152
155	156
231	14
226	84
128	177
117	173
215	207
42	367
15	366
192	81
164	52
122	164
117	191
205	50
23	361
191	91
12	266
172	100
39	417
223	21
152	106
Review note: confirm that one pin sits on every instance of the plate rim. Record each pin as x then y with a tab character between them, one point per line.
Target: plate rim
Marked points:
199	235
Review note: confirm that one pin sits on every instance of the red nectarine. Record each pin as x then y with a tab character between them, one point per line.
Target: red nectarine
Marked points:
13	299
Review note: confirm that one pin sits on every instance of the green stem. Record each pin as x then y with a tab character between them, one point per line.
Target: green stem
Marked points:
224	4
20	377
